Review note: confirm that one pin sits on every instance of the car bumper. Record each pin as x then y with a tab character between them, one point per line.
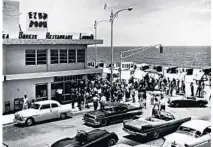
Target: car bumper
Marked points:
134	133
19	121
95	123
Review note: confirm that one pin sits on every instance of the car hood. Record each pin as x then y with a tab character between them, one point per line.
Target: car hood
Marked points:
178	138
27	112
96	113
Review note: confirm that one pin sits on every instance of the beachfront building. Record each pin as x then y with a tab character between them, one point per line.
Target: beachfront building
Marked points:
39	67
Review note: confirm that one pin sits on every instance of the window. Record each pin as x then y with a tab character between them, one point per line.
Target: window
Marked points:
41	92
45	106
41	57
30	57
54	105
63	56
72	55
81	55
35	57
54	56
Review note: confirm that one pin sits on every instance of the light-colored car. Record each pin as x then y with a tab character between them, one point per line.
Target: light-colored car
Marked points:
189	133
41	111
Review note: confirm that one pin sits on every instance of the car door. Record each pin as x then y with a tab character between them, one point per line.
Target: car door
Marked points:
119	114
44	112
54	110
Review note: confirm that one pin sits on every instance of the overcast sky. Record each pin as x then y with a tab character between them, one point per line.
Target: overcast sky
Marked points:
169	22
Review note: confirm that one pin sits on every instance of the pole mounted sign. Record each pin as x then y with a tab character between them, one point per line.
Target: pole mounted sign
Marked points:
37	21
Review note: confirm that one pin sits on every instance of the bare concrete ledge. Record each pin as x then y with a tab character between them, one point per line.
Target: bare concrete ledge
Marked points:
50	74
51	41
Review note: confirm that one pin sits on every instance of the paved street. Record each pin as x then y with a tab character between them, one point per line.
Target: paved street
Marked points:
46	133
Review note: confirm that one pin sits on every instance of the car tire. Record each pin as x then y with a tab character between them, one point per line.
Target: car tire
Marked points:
104	122
156	135
111	142
63	115
29	122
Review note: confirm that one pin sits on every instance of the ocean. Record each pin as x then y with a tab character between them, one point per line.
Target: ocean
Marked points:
181	56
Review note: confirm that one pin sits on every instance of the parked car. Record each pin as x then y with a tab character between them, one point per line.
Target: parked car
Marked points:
113	112
188	133
152	126
97	137
41	111
203	141
187	102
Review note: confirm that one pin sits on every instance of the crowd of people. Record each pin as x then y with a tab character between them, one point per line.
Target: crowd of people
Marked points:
99	91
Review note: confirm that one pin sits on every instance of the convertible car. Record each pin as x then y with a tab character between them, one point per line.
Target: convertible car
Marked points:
191	133
187	102
152	126
97	137
113	112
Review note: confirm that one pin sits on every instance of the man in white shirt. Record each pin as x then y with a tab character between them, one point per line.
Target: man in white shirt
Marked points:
102	101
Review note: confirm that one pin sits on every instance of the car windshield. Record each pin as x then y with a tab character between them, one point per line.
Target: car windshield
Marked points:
35	106
189	131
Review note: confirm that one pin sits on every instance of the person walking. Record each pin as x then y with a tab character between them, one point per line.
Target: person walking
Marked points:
95	102
102	101
144	98
59	93
25	103
198	92
192	89
133	94
72	96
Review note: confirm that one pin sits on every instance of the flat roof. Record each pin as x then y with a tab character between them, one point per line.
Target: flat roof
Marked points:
51	41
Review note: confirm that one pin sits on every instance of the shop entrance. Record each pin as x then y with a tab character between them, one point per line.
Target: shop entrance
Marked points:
65	84
41	92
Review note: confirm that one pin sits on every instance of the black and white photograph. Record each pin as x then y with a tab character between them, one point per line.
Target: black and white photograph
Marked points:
102	73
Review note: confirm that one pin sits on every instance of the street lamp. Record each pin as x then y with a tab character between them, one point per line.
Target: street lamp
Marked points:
112	17
95	27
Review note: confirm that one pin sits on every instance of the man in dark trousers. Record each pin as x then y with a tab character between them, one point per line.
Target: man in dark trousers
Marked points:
192	89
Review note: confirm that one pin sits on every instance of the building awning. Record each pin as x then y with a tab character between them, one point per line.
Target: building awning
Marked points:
51	41
26	76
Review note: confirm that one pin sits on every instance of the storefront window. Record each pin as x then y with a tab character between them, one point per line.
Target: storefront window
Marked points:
41	92
66	83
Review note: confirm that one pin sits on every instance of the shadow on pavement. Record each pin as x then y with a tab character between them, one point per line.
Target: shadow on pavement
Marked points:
141	139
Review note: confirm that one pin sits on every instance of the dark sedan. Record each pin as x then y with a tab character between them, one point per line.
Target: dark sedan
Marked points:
97	137
187	102
113	112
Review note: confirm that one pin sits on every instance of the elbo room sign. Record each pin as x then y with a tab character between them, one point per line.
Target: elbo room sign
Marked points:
37	21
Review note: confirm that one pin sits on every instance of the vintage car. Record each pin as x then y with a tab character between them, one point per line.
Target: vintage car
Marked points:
97	137
41	111
188	133
113	112
152	126
187	102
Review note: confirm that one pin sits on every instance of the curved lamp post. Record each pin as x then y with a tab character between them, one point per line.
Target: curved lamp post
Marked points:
112	17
